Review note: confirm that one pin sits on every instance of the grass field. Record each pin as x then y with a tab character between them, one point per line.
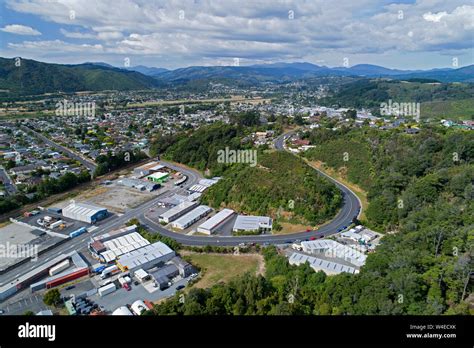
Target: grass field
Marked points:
217	268
448	109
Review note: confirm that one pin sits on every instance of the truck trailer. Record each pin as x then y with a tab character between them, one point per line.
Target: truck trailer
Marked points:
105	290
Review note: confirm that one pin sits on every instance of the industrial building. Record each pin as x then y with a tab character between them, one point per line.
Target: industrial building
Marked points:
194	215
334	249
145	257
198	188
85	212
185	268
147	169
209	182
177	211
248	223
140	185
11	287
63	272
176	199
109	250
328	267
158	177
217	220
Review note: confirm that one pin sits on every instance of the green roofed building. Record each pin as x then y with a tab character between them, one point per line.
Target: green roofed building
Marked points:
159	177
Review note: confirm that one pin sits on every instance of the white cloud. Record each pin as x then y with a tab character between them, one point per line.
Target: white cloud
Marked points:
19	29
434	17
259	30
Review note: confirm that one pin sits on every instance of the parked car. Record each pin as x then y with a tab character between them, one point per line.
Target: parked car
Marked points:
179	287
70	287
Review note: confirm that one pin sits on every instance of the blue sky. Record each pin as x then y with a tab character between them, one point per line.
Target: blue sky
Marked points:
405	34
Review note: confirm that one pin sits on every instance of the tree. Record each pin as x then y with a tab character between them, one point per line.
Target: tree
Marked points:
52	297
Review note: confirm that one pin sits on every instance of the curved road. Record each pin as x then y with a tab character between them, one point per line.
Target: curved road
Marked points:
350	209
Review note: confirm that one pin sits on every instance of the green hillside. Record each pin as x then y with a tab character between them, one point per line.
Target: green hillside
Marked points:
462	109
33	77
278	179
365	93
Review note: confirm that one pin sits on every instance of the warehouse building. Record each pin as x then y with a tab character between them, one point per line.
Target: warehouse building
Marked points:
185	268
85	212
328	267
330	248
248	223
158	177
217	220
194	215
109	250
177	211
209	182
140	185
198	188
145	258
147	169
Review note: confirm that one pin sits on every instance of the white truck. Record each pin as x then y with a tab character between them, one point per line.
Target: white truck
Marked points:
108	271
105	290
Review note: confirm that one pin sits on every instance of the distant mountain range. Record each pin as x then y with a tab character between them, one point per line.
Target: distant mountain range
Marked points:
33	77
290	71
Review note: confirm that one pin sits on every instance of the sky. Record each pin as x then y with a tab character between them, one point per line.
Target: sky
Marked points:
406	34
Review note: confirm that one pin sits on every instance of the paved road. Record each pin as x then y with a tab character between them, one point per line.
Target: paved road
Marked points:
85	162
105	226
10	187
350	209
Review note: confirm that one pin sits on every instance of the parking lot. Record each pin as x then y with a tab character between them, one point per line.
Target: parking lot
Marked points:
121	296
69	224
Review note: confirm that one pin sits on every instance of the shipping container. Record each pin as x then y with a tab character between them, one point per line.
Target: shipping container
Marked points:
59	268
56	224
78	232
55	210
105	290
98	268
67	278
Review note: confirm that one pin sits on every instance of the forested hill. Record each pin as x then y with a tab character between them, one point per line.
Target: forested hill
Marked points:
370	93
275	180
27	76
266	189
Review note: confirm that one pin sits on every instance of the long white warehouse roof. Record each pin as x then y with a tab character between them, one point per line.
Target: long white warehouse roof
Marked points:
83	209
175	210
192	215
122	245
320	264
143	255
216	219
334	249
